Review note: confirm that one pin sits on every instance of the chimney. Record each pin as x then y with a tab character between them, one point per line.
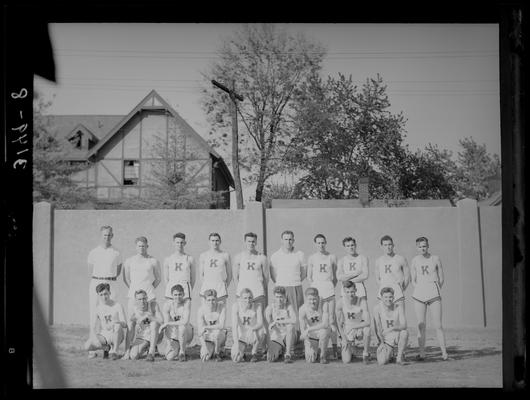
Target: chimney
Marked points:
364	196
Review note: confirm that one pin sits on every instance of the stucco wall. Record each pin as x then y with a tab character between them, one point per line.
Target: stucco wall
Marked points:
77	232
470	252
367	226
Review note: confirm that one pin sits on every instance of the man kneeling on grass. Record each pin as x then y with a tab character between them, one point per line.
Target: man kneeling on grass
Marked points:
211	320
176	326
390	327
112	322
144	326
314	326
247	326
281	319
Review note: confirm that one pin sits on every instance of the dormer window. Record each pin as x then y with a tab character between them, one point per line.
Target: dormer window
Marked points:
76	140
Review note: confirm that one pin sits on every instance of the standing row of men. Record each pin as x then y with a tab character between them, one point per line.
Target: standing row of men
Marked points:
251	270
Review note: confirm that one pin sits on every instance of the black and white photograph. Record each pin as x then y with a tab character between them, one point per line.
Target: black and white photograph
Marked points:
268	205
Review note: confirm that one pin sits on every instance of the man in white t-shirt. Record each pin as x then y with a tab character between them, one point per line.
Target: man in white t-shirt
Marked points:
179	268
141	272
104	266
288	268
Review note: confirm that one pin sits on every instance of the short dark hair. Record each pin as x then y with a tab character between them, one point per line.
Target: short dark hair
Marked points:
179	235
280	290
287	233
210	292
349	284
250	234
246	290
141	291
102	286
311	291
387	289
348	239
214	234
178	288
142	239
386	237
319	235
422	239
106	227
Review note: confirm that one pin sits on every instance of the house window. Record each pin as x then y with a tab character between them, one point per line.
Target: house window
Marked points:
131	172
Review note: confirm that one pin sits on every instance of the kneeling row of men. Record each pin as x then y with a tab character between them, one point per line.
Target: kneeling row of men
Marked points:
148	325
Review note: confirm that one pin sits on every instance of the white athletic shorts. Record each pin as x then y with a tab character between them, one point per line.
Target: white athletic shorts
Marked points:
354	334
172	332
427	292
326	290
392	338
360	292
210	335
398	292
248	336
278	334
143	332
219	287
107	335
185	285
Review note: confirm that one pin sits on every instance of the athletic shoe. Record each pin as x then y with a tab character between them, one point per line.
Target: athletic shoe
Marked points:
217	357
114	356
92	354
150	357
445	357
287	359
254	358
126	356
182	357
324	360
105	354
366	360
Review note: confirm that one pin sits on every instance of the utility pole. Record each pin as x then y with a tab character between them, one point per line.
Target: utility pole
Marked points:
235	139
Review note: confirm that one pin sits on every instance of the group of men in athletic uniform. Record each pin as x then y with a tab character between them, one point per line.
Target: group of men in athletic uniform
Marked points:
273	327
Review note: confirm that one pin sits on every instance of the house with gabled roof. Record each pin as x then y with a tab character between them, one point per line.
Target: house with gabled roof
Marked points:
124	152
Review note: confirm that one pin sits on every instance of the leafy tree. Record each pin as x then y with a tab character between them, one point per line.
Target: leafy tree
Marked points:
475	166
51	173
424	175
266	67
344	132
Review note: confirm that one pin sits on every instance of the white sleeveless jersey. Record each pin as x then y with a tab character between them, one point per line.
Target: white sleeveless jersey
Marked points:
176	311
214	266
143	329
247	317
389	319
211	317
322	267
251	273
351	264
108	315
352	314
389	269
279	315
179	268
313	317
425	269
141	272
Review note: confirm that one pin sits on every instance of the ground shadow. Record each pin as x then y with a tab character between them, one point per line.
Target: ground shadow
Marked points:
433	353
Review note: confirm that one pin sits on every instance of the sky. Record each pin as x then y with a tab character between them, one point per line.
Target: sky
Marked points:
443	77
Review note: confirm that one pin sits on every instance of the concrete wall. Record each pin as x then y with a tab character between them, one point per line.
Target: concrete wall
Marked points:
491	238
467	238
